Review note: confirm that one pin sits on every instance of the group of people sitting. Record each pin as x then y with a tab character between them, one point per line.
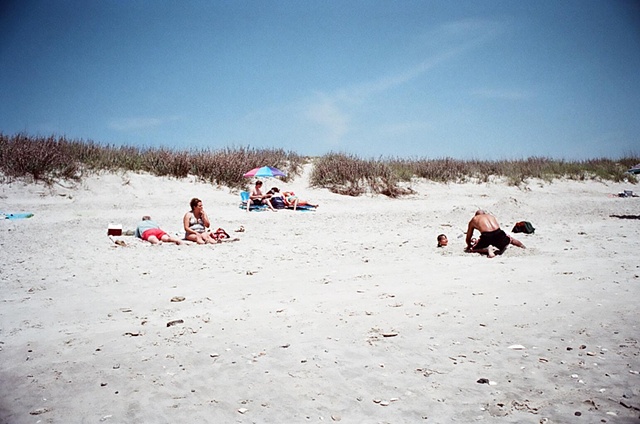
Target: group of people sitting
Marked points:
196	225
274	199
493	240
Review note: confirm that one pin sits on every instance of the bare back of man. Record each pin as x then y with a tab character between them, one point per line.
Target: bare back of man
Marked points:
492	238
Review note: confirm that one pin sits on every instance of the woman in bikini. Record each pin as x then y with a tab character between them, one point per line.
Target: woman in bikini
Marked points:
294	201
196	224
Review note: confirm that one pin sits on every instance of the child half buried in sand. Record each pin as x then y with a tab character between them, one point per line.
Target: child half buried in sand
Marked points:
150	231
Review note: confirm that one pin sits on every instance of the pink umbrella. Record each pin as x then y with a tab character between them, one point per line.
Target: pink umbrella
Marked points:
265	171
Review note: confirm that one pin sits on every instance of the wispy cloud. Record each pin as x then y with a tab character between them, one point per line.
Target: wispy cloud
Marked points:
326	114
139	123
502	94
334	110
360	92
331	117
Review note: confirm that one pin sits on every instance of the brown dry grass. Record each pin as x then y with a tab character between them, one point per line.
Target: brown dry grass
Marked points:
50	159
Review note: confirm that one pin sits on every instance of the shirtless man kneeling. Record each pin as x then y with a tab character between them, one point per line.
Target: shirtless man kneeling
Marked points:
492	238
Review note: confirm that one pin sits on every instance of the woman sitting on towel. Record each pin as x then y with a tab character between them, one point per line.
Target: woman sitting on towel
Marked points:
196	224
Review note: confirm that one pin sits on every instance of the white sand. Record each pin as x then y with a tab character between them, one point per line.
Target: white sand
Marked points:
288	325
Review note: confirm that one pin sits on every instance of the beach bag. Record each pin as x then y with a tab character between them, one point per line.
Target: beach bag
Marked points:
278	203
523	227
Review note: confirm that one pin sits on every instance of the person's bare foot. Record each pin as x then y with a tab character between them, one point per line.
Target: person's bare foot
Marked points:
491	252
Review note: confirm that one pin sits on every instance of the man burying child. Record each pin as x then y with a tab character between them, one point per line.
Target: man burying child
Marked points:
492	239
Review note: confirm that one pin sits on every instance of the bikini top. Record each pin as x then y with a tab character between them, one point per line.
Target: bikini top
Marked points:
196	224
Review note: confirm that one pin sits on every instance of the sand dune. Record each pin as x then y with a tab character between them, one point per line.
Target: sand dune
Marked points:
349	313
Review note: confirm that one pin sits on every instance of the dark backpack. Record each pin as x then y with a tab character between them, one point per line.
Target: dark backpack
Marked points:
278	203
523	227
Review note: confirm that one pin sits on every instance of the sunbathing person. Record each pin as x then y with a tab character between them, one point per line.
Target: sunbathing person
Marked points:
492	239
286	199
291	200
256	197
196	224
150	231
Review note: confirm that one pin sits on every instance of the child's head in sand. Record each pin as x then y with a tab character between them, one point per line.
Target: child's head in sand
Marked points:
442	240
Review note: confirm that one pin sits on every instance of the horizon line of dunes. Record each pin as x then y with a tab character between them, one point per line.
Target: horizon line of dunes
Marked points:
56	158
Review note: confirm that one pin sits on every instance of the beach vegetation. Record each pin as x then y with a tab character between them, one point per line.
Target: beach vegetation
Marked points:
49	159
55	158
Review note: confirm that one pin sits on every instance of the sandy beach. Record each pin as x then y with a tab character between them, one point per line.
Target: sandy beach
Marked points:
346	314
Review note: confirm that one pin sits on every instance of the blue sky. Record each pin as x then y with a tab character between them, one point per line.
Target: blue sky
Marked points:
477	79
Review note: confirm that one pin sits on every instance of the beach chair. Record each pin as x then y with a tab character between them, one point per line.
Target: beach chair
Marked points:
244	198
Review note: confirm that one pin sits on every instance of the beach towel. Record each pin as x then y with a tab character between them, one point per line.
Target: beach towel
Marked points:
16	215
278	203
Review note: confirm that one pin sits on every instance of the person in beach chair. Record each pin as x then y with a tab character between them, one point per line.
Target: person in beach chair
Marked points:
150	231
492	239
256	197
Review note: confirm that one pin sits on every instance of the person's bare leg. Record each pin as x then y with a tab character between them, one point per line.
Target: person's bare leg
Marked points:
517	243
169	239
196	238
208	237
484	251
153	240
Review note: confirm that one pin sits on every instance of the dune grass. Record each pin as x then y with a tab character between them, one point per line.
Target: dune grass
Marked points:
51	159
347	174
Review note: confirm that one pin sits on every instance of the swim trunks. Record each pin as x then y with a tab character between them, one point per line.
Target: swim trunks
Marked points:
497	238
153	232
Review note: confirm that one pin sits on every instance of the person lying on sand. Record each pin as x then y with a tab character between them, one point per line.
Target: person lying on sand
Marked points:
492	239
150	231
286	199
291	200
256	197
196	224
